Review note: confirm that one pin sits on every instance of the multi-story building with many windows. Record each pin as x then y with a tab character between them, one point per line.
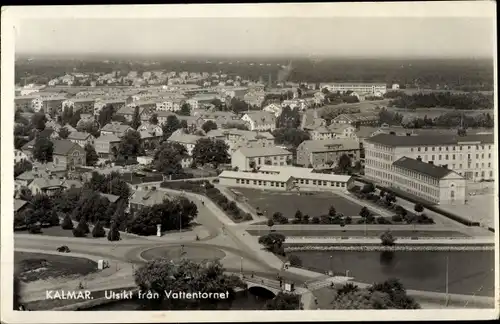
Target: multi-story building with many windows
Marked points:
470	156
365	88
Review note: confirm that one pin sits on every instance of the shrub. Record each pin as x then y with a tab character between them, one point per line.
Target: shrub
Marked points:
79	231
35	229
113	234
315	220
348	220
382	220
67	223
387	239
397	218
98	230
84	226
294	260
54	219
247	217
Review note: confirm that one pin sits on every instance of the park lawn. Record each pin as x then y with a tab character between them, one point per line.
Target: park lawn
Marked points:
359	233
39	266
312	204
48	304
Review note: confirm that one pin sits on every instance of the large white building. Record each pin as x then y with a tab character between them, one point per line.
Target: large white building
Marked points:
362	88
436	184
470	156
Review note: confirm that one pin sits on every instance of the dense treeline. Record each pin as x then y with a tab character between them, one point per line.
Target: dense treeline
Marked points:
450	119
470	101
467	75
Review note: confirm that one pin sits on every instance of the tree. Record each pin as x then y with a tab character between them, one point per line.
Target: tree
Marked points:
161	275
106	114
387	239
208	126
98	230
185	110
81	229
332	211
38	121
209	150
171	125
290	136
63	133
368	188
21	167
113	234
298	216
168	157
130	145
40	210
284	301
289	118
154	119
43	150
273	242
171	214
136	119
67	223
294	260
419	208
270	223
344	163
364	212
91	156
183	123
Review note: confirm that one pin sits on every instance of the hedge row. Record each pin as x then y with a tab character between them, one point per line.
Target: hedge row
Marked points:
426	205
205	188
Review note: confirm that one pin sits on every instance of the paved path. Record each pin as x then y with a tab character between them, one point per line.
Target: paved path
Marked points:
409	241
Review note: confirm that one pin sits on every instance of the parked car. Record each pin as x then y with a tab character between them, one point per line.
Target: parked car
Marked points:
63	249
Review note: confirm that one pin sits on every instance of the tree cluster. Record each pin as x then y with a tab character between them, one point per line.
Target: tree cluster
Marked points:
290	136
186	276
171	214
210	151
389	294
470	101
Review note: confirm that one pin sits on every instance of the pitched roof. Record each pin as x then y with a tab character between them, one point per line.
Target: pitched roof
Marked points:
261	117
18	204
78	136
62	147
148	198
431	170
255	176
334	144
70	183
111	198
107	138
184	138
47	182
115	127
393	140
263	151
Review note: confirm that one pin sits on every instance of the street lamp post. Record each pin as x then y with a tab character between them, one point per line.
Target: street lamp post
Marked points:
447	296
241	266
331	268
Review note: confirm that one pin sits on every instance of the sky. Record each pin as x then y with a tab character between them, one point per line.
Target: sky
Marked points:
332	36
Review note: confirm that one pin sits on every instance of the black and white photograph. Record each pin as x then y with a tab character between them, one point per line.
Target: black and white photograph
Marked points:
334	160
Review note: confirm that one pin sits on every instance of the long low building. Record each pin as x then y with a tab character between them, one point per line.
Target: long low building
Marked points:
256	180
305	178
285	179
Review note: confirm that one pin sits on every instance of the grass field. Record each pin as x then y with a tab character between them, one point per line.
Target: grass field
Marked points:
360	233
37	266
316	204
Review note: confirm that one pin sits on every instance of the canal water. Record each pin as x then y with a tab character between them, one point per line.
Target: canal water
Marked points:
469	272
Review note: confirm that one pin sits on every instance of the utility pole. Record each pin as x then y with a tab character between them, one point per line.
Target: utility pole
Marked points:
447	296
